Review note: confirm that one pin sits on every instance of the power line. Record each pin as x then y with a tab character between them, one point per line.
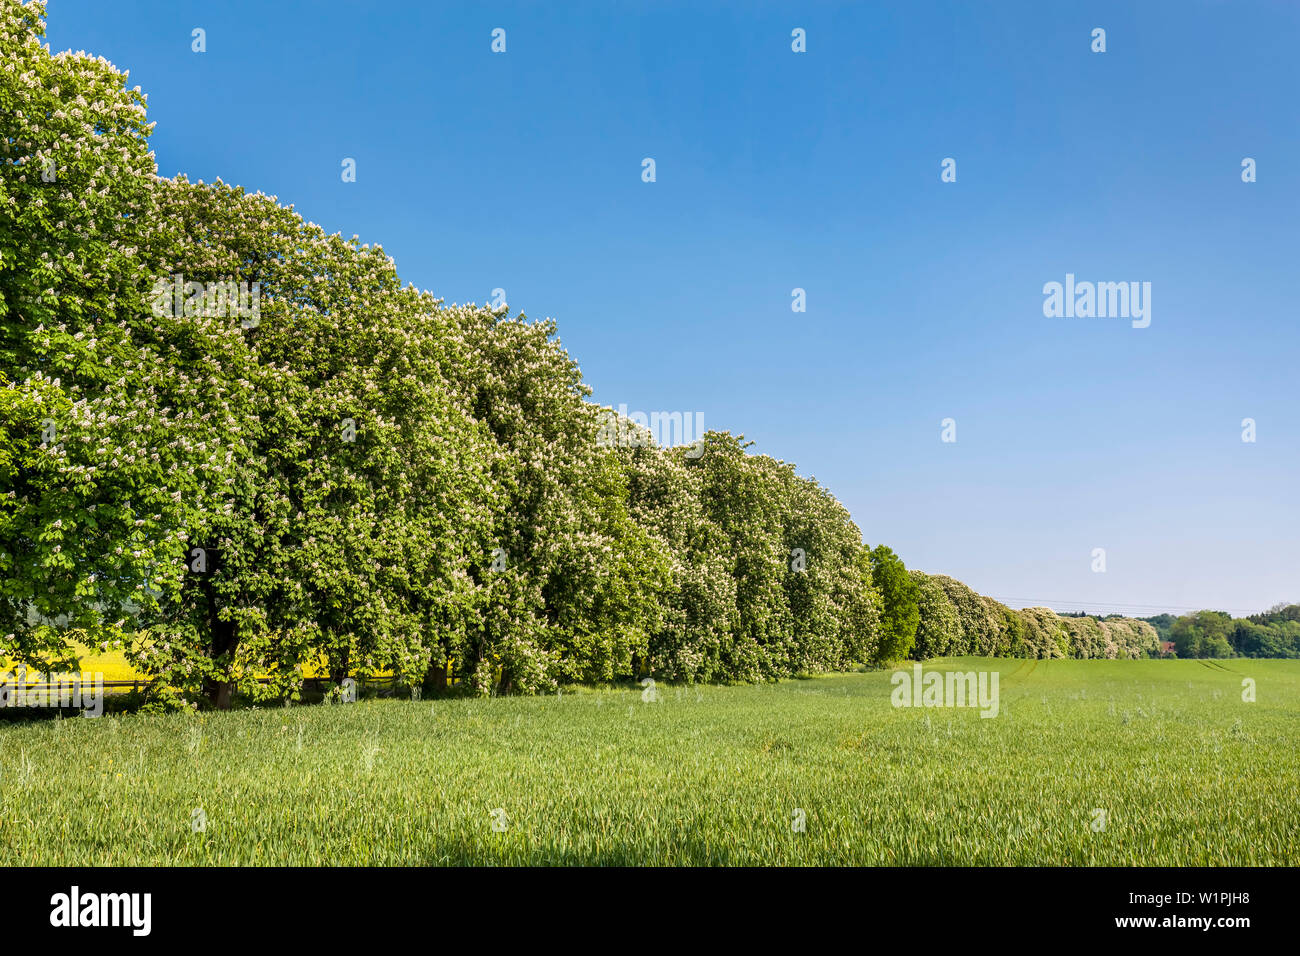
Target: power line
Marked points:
1054	603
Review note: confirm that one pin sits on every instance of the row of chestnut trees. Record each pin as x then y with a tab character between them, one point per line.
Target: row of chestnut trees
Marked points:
357	476
954	620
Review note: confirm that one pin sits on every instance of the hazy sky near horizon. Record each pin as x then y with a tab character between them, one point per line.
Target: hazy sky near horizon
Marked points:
820	170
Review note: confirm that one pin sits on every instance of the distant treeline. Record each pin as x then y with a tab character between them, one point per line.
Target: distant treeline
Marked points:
1274	633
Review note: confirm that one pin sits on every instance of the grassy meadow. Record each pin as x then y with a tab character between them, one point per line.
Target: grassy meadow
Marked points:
1184	770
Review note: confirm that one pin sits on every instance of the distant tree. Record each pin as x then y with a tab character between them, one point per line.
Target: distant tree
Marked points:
699	614
1128	637
1275	633
1002	628
938	627
1203	634
899	614
1013	626
1162	623
1282	611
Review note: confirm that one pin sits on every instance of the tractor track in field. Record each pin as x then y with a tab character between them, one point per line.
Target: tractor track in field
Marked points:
1019	667
1214	665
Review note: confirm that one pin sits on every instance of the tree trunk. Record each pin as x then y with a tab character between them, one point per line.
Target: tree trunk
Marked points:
225	638
435	679
224	691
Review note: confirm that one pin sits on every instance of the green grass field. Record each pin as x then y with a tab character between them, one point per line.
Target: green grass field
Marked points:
1186	772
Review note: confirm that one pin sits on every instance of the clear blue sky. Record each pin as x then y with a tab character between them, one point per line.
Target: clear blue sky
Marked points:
821	170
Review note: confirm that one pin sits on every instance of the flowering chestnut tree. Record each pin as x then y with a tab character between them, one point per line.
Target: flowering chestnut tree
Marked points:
96	482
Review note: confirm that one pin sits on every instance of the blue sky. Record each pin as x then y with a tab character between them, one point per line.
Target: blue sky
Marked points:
821	171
